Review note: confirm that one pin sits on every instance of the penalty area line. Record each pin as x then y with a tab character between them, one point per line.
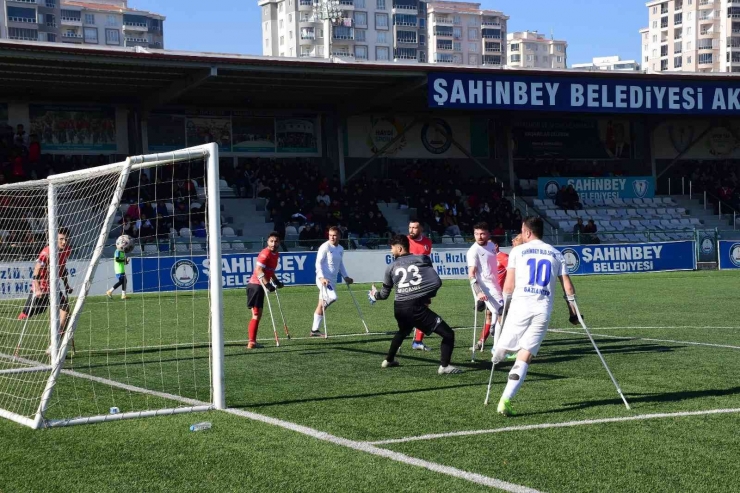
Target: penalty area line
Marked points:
566	424
649	339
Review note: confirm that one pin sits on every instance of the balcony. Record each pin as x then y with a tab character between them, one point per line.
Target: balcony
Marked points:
135	26
405	8
305	5
25	2
407	40
347	4
71	37
443	21
491	22
492	48
443	31
444	46
50	4
492	60
71	21
51	24
22	20
345	34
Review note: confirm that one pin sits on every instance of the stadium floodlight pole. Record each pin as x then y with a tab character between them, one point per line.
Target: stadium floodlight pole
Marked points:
601	357
282	314
357	305
329	12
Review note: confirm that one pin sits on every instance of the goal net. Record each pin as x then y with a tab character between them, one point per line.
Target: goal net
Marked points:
74	346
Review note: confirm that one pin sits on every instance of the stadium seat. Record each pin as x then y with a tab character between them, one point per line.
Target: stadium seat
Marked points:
225	246
609	202
695	221
197	248
447	240
181	248
290	230
539	203
637	201
151	249
549	203
195	205
668	200
228	232
136	250
458	239
237	245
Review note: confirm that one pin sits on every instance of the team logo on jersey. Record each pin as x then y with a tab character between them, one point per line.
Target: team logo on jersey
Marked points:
640	187
184	273
572	260
735	254
436	135
707	245
551	189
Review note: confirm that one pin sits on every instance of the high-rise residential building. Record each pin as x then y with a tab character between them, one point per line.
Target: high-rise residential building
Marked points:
691	36
406	31
608	63
530	49
101	22
464	34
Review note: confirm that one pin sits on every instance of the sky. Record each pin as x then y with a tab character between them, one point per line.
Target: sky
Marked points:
591	27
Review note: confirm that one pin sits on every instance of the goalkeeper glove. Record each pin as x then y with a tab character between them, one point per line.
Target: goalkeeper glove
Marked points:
371	295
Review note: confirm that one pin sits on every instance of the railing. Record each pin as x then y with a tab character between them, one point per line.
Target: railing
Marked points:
71	19
51	5
23	38
135	24
405	7
51	24
443	20
29	20
306	37
72	35
24	1
306	3
491	23
137	40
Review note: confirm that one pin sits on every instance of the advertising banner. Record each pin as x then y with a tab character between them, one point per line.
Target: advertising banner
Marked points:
583	94
368	134
629	258
15	278
729	254
206	129
253	134
193	272
716	140
621	187
297	135
572	138
74	128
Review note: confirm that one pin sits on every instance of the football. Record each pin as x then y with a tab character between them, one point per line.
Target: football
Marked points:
125	243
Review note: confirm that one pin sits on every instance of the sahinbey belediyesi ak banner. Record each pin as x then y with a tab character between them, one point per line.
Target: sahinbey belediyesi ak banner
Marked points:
617	187
629	258
193	272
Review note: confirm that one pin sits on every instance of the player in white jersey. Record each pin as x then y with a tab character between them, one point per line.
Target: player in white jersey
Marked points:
483	274
328	264
529	292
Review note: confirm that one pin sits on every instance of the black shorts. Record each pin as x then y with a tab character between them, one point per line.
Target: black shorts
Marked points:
36	305
255	296
416	314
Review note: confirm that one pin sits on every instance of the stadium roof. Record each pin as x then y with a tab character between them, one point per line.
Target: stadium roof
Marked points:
151	79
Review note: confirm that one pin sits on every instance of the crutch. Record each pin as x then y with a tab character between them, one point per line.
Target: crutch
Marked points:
359	311
282	315
272	318
588	333
323	300
507	301
25	324
475	320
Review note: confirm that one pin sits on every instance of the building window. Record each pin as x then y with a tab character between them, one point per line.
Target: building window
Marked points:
560	48
677	19
472	34
655	53
111	20
360	4
664	65
705	58
655	38
516	58
664	50
456	46
473	47
688	58
361	18
380	4
89	18
688	45
266	10
473	59
282	25
91	35
560	59
360	34
382	37
290	35
457	32
655	24
360	51
382	53
456	20
381	21
290	18
655	9
282	40
678	62
280	8
112	37
267	42
530	58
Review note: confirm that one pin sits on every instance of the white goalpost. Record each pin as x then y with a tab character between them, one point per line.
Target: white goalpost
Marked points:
71	351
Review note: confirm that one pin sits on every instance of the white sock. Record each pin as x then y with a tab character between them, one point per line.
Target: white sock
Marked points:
516	376
123	293
317	321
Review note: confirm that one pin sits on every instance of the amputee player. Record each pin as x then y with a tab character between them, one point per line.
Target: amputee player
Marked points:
418	245
482	273
263	275
38	300
502	259
530	288
329	263
416	284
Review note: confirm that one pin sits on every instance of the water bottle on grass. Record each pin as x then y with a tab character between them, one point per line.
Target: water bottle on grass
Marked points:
205	425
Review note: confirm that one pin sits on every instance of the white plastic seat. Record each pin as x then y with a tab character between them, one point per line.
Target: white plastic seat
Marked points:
627	201
197	248
458	239
150	249
225	246
631	212
695	221
136	250
539	203
637	201
181	248
447	240
237	245
185	233
228	232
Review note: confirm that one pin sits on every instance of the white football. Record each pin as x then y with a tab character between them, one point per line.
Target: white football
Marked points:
125	243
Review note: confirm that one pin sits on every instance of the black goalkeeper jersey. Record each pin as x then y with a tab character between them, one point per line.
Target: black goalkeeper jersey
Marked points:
414	278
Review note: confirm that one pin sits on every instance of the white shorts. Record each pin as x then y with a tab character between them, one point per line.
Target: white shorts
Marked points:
523	330
326	293
495	298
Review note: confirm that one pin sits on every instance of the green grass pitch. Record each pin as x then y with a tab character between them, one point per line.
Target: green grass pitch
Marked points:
670	339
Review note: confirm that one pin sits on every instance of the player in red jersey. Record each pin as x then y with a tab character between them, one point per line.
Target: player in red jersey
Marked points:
38	300
418	245
263	275
503	262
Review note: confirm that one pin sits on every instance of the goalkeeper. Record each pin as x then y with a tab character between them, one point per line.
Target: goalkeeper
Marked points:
416	284
119	265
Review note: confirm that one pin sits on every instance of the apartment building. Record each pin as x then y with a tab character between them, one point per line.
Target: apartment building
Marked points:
101	22
608	63
404	31
691	36
530	49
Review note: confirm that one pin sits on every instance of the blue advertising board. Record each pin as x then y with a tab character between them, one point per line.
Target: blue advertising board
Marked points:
583	94
192	272
629	258
618	187
729	254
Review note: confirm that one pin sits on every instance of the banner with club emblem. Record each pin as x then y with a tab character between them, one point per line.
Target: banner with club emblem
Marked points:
618	187
729	254
629	258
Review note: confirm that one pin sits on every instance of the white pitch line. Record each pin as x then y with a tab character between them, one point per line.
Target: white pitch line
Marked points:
567	424
628	338
388	454
666	328
320	435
